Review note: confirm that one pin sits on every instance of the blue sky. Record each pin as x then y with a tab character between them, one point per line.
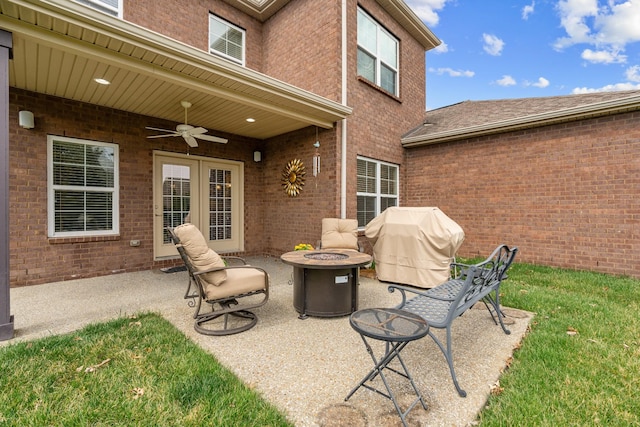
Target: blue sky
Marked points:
497	49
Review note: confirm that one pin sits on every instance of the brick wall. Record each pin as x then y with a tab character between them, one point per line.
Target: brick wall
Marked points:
379	119
302	46
34	258
188	22
292	220
566	195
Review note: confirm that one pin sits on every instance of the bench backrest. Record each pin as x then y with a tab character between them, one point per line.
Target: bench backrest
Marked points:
480	279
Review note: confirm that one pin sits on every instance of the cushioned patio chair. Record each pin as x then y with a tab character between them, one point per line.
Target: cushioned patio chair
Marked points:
339	234
227	284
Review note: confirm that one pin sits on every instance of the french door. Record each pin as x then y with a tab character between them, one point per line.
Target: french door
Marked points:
206	192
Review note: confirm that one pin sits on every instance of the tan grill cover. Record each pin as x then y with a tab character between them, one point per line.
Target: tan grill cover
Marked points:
414	246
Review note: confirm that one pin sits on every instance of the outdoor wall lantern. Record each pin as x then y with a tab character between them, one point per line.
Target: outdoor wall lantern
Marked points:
257	156
25	119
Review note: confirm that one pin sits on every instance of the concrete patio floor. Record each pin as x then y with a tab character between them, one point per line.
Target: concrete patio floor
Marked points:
304	367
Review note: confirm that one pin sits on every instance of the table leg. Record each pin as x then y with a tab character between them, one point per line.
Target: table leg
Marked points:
303	288
393	350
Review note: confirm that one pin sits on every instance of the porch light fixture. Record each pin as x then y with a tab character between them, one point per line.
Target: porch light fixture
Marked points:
102	81
257	156
25	119
250	120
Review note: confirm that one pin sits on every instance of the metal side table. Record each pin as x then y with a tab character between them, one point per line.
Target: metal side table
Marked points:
397	328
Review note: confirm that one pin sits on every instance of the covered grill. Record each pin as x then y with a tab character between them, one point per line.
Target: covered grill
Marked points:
414	246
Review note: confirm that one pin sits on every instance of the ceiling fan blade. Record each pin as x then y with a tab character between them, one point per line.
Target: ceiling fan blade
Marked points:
161	130
190	140
211	138
197	131
162	136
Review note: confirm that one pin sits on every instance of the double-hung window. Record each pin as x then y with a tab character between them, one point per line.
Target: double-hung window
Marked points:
377	54
226	40
111	7
377	188
82	187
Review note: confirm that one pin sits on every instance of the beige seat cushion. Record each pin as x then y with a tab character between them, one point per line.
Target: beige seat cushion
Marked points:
239	281
339	233
202	257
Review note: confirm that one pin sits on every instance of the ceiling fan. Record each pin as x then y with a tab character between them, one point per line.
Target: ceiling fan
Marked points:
188	132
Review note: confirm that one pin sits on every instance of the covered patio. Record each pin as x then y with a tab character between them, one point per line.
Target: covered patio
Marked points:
304	367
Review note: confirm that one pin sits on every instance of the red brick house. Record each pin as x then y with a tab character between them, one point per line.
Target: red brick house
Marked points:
90	194
557	176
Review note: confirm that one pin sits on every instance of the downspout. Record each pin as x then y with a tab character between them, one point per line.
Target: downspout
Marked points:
343	160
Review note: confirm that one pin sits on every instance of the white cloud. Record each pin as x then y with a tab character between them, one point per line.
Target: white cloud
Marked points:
633	73
506	80
492	45
603	56
451	72
609	28
442	48
541	83
607	88
528	10
618	24
427	10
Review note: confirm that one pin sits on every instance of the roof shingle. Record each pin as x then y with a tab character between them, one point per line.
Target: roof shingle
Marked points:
471	118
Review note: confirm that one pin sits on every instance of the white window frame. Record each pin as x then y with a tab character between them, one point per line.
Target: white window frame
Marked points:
377	55
52	188
104	7
377	193
219	20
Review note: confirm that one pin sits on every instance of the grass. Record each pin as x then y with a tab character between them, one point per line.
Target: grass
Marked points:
580	363
133	372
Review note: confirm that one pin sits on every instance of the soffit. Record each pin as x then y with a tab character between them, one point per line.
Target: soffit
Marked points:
59	47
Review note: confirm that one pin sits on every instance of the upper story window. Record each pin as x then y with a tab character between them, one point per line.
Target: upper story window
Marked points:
225	39
377	54
83	187
112	7
377	188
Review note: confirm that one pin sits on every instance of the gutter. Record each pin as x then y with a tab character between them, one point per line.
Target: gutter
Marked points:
536	120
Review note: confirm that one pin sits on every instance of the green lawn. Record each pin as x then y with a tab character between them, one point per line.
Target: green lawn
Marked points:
580	363
128	372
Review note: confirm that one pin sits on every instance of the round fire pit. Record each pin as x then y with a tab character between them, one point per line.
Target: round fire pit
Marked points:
326	256
325	283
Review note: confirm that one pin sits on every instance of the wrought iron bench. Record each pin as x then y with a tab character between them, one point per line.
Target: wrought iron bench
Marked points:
470	284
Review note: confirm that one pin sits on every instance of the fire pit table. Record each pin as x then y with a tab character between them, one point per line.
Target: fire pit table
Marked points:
325	282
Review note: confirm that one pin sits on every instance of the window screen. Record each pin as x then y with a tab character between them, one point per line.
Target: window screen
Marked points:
83	186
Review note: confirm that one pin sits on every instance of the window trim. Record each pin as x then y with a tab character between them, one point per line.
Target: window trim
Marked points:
101	6
51	188
377	57
223	54
378	194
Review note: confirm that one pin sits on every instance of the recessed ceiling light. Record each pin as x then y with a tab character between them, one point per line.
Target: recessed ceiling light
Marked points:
102	81
251	120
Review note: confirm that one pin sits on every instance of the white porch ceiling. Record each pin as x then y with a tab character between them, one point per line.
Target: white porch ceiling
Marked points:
59	47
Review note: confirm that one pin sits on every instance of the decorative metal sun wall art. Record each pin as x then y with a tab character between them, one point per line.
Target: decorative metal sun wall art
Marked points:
293	177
